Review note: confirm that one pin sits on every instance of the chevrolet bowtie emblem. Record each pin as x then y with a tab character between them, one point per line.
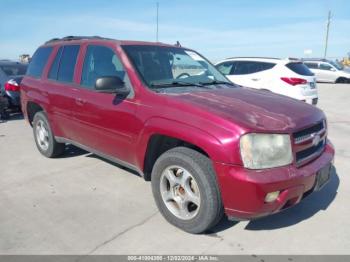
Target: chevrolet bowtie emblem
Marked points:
315	139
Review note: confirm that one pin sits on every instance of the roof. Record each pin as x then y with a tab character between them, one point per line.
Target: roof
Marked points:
262	59
79	39
315	59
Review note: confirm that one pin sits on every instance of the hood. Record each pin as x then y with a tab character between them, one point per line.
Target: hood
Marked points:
253	109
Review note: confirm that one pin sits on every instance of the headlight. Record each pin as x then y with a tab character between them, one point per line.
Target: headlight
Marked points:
260	151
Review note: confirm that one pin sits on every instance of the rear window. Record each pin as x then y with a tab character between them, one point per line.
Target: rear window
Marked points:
14	70
300	69
39	61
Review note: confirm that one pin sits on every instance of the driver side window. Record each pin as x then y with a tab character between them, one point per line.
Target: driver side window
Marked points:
100	61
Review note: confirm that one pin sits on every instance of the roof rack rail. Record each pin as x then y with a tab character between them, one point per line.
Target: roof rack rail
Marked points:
71	37
260	57
314	59
293	58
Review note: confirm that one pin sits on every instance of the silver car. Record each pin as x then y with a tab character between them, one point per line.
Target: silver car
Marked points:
328	71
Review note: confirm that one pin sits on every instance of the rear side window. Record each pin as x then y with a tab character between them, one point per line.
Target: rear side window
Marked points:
311	65
54	67
300	69
38	62
67	63
250	67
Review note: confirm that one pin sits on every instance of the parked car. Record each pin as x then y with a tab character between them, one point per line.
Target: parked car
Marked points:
207	145
11	74
328	71
287	77
4	115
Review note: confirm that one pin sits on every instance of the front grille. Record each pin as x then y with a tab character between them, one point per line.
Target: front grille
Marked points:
309	143
310	152
304	134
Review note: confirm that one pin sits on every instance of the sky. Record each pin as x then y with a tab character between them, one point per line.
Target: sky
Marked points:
217	29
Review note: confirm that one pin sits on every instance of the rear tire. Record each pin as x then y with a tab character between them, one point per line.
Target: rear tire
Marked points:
44	137
186	191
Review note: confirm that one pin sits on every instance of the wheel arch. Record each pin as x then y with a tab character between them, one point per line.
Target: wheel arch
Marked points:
31	109
160	135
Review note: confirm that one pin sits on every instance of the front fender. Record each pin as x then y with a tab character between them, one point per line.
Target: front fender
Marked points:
219	148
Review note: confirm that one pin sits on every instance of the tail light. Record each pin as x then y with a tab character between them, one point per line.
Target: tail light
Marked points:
11	85
294	80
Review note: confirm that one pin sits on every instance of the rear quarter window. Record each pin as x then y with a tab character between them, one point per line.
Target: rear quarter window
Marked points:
300	69
38	62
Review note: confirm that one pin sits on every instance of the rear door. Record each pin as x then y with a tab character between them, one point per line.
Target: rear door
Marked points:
63	90
104	122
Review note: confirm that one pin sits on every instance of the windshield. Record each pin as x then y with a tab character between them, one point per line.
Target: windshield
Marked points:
337	65
14	70
162	67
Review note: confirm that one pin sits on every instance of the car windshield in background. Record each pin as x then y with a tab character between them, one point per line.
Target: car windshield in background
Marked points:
164	67
337	65
14	70
300	69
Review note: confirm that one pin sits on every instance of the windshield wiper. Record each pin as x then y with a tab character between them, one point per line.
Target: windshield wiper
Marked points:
175	84
217	82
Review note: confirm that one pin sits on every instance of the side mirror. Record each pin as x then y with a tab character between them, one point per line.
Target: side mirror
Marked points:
111	84
332	69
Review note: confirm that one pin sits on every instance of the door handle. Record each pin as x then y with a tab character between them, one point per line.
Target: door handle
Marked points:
80	101
255	79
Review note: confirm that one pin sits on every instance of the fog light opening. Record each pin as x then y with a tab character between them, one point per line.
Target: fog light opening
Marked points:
272	196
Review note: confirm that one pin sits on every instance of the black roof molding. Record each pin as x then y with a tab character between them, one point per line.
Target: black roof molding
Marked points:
315	59
71	38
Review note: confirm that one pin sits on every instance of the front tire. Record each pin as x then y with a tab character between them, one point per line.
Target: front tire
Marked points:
186	191
44	137
341	80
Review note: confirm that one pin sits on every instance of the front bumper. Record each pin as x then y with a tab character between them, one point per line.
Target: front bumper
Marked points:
243	191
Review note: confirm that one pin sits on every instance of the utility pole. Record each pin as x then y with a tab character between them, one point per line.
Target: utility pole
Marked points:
157	21
327	32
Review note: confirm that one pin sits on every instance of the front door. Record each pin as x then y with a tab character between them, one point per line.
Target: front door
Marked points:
104	122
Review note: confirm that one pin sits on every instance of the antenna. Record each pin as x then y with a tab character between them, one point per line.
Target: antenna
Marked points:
157	21
327	33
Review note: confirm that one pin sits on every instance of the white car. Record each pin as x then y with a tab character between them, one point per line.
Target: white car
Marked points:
289	77
328	71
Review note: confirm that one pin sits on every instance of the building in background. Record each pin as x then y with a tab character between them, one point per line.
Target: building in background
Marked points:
25	58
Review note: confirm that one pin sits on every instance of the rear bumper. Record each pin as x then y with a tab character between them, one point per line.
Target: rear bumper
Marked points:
243	191
14	98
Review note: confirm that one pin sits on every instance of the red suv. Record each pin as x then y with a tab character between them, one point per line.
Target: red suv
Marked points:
208	146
